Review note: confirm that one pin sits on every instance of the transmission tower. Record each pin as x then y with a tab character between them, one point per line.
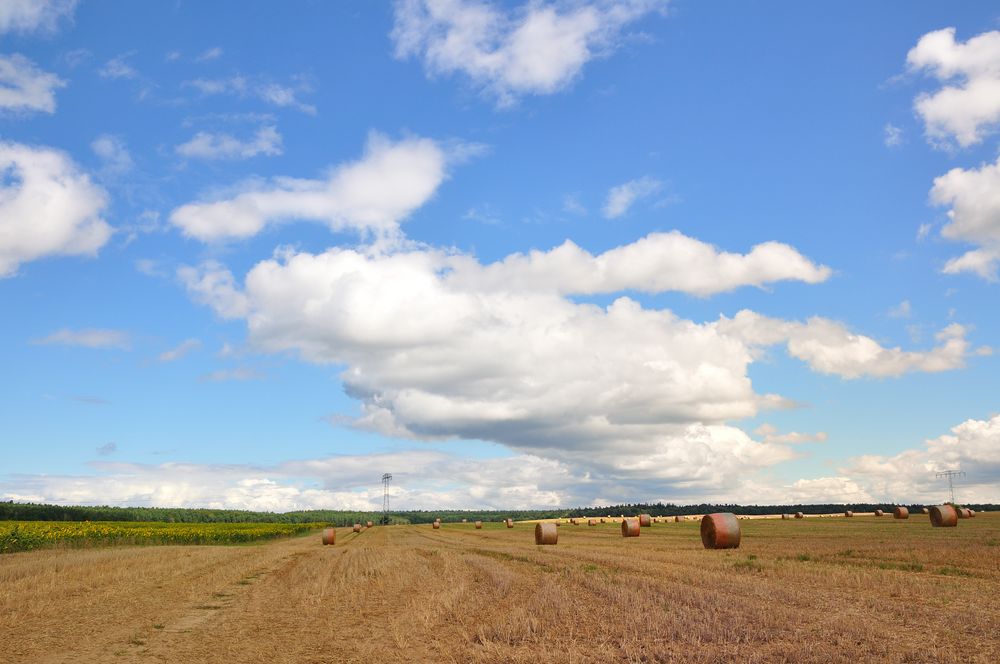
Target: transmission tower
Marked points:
386	478
951	475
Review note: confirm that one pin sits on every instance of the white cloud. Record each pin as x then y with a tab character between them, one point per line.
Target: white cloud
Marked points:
180	350
572	205
282	96
893	136
901	310
113	151
621	197
829	347
204	145
974	216
31	15
432	350
209	54
107	449
24	87
371	195
967	107
923	231
972	446
538	48
47	207
118	67
657	263
769	433
87	338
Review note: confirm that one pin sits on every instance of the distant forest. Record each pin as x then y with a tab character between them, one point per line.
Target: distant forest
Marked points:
11	511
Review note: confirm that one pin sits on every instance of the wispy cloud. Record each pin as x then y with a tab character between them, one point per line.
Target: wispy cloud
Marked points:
209	54
205	145
180	350
118	67
225	375
621	198
87	338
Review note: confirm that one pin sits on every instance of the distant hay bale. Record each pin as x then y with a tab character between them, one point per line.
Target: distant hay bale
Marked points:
678	519
591	522
369	524
465	520
879	512
925	511
964	513
546	533
645	520
479	525
900	512
329	535
972	513
510	523
602	520
572	521
800	515
944	516
785	517
848	513
357	527
630	527
720	531
436	525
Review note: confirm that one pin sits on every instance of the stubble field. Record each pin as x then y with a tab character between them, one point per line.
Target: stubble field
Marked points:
811	590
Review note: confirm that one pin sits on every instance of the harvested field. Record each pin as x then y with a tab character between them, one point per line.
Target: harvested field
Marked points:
823	591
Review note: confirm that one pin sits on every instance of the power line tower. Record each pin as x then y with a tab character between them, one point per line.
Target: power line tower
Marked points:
951	475
386	478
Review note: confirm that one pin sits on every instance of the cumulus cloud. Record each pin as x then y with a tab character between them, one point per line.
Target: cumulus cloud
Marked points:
973	196
180	350
32	15
972	446
372	195
967	106
205	145
88	338
621	197
24	87
538	48
432	349
47	207
657	263
829	347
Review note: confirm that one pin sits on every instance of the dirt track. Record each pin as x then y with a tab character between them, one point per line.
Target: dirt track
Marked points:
458	595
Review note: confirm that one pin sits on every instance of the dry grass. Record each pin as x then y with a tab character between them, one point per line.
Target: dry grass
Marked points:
817	590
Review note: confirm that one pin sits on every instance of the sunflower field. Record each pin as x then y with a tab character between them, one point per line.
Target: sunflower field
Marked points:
28	535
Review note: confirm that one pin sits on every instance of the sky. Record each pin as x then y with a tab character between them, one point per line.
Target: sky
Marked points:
519	255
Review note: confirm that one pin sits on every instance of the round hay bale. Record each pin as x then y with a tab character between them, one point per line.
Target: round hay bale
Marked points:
972	513
357	527
465	520
900	512
944	516
558	524
879	512
800	515
329	535
848	513
960	511
369	524
925	511
591	522
479	525
720	531
678	519
572	522
785	517
602	520
510	523
546	533
436	525
645	520
630	527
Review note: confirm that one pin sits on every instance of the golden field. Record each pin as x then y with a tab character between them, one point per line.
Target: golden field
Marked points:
864	589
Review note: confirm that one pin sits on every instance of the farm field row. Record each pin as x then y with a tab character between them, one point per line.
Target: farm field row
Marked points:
811	590
28	535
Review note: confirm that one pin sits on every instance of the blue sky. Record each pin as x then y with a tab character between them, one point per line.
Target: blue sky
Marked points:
519	255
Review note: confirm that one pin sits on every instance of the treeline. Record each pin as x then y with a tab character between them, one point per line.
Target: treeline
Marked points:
11	511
